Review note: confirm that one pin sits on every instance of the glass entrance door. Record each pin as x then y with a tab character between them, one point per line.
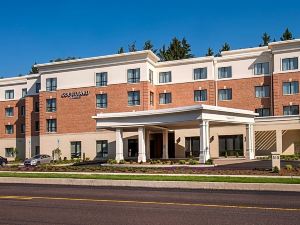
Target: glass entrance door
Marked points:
231	145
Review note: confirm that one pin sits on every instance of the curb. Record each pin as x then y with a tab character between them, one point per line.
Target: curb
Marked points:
155	184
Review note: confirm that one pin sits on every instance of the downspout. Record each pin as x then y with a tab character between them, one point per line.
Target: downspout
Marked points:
216	82
272	86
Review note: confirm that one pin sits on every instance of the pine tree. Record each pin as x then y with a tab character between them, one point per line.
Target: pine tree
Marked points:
266	39
225	47
121	50
149	46
34	70
209	52
132	47
287	35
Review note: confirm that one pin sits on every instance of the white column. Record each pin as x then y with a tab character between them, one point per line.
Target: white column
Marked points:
165	144
119	144
204	142
250	149
279	141
147	144
142	145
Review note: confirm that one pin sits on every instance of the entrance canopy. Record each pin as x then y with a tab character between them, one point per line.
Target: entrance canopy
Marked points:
172	118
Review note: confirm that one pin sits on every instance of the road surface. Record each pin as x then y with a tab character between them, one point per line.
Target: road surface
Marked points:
40	204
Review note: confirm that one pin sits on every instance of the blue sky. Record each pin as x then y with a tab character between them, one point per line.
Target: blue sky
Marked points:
37	31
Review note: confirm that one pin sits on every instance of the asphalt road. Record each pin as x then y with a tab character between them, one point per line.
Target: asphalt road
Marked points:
38	204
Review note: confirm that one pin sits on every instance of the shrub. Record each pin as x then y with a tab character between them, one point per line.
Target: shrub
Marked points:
122	161
158	161
275	169
209	162
193	162
131	162
171	162
152	161
65	158
181	162
112	161
237	154
289	167
226	155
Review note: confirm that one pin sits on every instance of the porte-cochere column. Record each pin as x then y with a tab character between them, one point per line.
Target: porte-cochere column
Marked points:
204	141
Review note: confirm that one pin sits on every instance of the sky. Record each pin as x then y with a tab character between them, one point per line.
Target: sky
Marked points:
39	30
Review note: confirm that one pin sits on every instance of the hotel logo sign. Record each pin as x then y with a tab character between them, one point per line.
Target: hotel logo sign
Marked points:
75	94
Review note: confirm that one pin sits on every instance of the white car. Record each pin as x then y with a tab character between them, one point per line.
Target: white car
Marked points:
38	160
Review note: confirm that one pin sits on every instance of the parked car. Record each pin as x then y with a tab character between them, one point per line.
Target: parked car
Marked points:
38	160
3	161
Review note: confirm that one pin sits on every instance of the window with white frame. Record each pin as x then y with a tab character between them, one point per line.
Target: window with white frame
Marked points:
225	72
101	79
261	68
291	110
101	101
9	94
150	76
262	91
290	88
51	84
225	94
290	64
165	77
165	98
200	95
133	98
51	105
200	73
133	75
51	125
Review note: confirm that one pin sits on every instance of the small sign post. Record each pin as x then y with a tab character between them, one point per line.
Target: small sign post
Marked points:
275	160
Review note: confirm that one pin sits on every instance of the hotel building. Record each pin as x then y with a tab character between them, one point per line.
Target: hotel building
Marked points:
132	106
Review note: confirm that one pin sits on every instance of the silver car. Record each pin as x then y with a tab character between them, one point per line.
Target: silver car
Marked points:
38	160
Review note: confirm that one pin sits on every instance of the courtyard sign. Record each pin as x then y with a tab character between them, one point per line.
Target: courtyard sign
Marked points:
75	94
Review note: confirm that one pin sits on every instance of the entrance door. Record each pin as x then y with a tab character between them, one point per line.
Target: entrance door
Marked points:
156	146
192	147
133	147
231	145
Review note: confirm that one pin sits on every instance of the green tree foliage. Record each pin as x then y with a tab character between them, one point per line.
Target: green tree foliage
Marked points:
176	50
210	52
34	70
225	47
64	59
149	46
266	39
287	35
132	47
121	50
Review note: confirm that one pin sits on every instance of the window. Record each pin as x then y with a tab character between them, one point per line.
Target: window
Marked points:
51	84
263	112
133	75
133	147
200	73
102	149
262	91
151	98
290	88
37	87
200	95
165	77
22	128
261	68
151	76
165	98
36	106
101	79
231	145
37	126
192	147
51	105
133	98
224	72
9	152
76	149
22	110
51	125
9	94
225	94
291	110
9	111
9	129
290	64
24	92
101	101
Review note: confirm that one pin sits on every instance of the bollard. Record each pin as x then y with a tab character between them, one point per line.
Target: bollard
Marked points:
275	160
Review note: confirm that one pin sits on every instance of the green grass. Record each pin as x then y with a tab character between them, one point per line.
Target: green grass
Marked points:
156	178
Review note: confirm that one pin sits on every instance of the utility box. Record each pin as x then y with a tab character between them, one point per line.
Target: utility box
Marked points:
275	160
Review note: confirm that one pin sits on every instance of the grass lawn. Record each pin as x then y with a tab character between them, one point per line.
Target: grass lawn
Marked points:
156	178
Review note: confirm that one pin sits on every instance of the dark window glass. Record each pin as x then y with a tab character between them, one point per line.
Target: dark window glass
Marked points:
101	101
165	98
76	149
200	95
9	129
9	94
165	77
101	79
102	149
51	125
9	111
290	88
224	72
51	84
225	94
200	73
133	98
51	105
263	112
291	110
133	75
